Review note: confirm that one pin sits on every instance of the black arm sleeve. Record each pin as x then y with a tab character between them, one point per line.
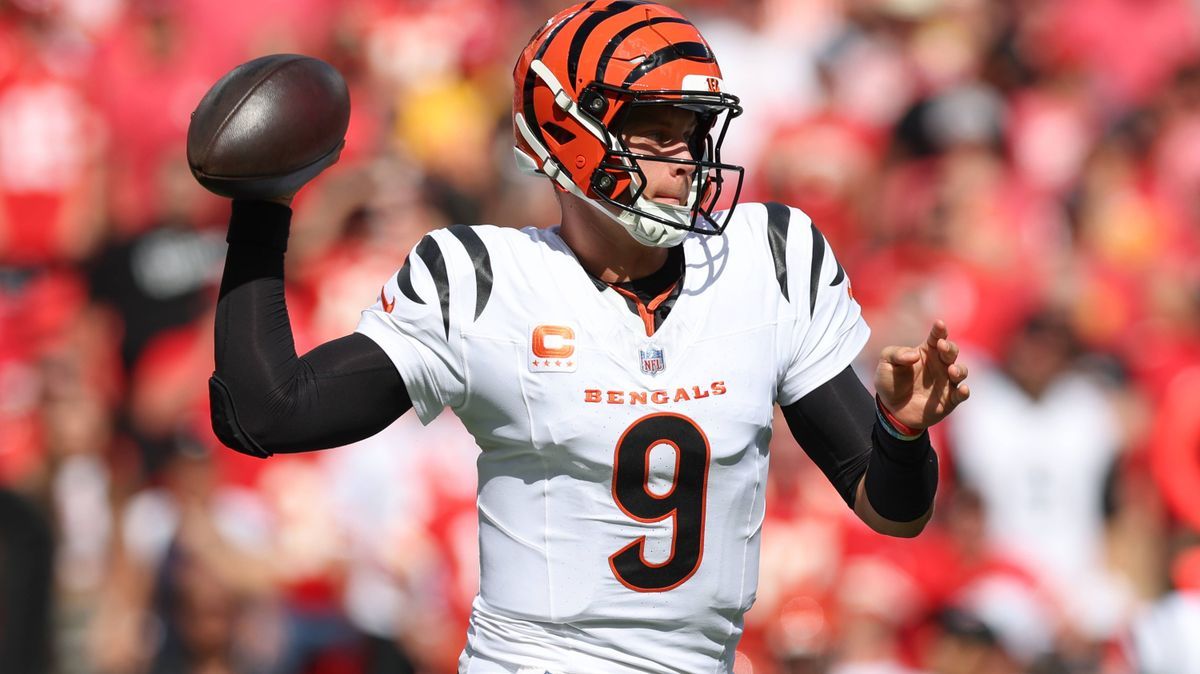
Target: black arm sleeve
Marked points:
264	398
833	426
839	429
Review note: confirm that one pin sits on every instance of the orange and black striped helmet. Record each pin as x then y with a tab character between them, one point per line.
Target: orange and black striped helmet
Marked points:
579	78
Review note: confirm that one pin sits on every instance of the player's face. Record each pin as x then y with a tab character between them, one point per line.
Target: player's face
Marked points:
663	131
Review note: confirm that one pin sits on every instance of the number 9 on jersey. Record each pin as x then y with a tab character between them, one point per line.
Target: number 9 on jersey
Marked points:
684	501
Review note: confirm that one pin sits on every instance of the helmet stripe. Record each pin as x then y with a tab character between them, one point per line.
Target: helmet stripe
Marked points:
615	42
684	50
531	77
585	31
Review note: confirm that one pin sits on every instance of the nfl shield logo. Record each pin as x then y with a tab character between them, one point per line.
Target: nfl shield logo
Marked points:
652	360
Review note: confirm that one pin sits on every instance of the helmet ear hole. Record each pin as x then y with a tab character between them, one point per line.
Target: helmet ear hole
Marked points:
558	133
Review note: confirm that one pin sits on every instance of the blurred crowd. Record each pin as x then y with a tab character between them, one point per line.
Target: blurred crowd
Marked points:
1028	170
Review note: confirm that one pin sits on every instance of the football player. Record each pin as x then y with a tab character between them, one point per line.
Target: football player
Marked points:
618	371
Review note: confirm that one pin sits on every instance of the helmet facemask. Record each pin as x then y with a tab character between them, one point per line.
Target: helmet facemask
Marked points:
619	182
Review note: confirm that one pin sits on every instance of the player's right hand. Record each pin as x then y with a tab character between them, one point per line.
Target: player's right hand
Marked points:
921	385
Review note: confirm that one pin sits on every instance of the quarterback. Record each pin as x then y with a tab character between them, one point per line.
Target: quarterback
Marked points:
619	371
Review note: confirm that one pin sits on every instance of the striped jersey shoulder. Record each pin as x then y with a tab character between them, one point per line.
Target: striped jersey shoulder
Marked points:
801	260
442	266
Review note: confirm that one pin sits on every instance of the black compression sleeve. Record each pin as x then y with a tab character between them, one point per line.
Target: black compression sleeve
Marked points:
833	425
902	477
264	398
838	427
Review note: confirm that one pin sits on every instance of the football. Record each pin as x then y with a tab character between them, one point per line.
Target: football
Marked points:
268	126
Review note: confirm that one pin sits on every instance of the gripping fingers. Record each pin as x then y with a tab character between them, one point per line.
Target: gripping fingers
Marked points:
958	372
899	355
937	333
947	351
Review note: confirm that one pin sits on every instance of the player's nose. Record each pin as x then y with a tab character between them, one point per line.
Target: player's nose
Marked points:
680	151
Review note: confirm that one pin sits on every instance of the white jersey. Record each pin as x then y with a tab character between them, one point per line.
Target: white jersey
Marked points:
622	478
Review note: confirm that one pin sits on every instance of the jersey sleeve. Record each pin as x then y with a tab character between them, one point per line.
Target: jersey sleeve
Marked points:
824	324
418	317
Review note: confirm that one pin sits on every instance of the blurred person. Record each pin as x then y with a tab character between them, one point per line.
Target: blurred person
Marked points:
618	511
446	127
1172	448
306	551
1042	473
868	78
1052	127
964	644
1023	619
955	226
434	65
824	165
193	564
1123	225
160	55
875	598
1126	49
405	500
952	188
162	277
26	584
52	141
41	309
1176	168
755	32
81	479
1162	637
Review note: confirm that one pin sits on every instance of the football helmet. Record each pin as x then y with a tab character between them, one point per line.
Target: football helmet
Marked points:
576	83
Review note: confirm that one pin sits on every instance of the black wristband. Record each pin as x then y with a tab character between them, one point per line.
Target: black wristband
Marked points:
259	223
902	475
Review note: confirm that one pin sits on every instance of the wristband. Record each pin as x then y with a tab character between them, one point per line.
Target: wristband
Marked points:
895	428
259	223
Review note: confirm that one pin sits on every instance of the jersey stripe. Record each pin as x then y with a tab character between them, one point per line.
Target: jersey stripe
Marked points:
841	274
481	260
615	42
404	281
429	251
778	217
684	50
818	258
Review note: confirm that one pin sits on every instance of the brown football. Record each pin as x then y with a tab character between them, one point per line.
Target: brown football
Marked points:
268	126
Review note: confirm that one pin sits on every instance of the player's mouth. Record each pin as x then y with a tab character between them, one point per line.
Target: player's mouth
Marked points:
668	199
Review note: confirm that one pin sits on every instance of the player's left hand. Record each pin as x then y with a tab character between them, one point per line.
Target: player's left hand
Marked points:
921	385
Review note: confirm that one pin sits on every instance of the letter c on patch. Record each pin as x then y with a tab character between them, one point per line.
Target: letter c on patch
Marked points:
553	341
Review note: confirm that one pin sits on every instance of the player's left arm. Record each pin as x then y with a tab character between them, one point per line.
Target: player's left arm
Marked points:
876	451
